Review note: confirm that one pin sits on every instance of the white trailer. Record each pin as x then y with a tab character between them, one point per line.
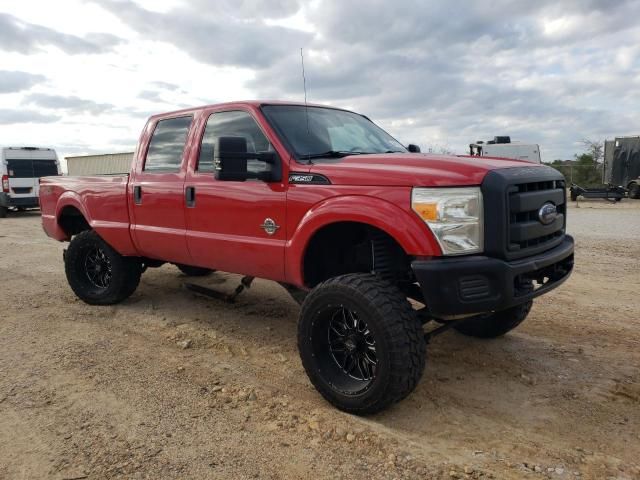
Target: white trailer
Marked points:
21	169
503	147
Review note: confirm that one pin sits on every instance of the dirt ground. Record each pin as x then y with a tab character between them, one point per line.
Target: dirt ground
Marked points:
112	392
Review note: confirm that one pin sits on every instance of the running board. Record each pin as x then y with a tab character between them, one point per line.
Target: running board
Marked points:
226	297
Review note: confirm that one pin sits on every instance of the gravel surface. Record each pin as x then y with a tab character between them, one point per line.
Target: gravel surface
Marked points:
171	385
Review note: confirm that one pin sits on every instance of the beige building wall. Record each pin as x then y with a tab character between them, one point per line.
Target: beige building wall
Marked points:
106	164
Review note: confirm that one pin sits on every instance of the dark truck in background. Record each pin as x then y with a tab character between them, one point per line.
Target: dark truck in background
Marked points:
351	222
622	164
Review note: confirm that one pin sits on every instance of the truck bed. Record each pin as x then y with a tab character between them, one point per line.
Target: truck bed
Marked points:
102	200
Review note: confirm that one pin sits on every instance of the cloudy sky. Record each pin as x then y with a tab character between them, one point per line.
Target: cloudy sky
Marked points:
82	75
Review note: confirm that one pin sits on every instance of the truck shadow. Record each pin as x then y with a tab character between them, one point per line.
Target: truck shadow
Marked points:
28	214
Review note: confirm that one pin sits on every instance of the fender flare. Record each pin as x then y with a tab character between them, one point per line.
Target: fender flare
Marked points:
71	199
52	222
403	226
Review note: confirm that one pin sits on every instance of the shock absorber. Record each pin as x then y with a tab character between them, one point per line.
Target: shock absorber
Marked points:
383	252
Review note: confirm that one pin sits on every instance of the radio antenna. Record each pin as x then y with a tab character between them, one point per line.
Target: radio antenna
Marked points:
304	86
306	108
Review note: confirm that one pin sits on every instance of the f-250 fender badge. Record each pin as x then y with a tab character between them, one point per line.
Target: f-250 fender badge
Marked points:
308	179
269	226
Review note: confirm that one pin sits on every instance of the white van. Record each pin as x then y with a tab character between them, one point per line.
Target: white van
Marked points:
21	169
503	147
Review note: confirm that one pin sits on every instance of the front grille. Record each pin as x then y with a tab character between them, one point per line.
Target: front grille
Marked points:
525	200
513	198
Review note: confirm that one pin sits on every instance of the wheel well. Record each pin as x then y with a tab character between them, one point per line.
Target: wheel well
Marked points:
352	247
72	221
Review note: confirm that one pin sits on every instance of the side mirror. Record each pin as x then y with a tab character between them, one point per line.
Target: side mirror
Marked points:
230	160
413	148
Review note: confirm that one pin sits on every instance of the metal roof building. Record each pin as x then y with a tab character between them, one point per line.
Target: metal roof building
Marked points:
108	163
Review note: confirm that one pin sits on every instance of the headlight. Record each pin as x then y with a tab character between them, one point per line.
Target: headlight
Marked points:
454	215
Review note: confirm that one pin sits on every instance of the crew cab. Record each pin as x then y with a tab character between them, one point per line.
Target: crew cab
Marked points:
328	204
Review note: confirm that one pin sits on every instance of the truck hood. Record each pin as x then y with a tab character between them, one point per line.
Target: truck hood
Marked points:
410	169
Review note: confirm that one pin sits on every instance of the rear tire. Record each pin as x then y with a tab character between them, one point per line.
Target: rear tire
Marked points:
495	324
3	212
574	196
361	343
98	274
194	271
634	191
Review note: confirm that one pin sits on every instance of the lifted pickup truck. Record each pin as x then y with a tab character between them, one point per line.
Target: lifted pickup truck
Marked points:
351	222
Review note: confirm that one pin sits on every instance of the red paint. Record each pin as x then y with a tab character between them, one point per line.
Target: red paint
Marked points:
222	231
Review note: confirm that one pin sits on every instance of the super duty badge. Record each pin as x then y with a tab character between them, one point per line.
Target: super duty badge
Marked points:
308	178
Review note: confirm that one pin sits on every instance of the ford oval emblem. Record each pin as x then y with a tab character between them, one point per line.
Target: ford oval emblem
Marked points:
547	213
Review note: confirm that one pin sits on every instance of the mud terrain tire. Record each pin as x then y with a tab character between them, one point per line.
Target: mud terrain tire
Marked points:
98	274
361	343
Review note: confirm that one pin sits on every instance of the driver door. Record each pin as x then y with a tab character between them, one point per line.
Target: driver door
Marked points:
226	219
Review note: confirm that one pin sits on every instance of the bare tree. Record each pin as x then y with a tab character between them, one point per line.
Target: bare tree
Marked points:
595	148
441	149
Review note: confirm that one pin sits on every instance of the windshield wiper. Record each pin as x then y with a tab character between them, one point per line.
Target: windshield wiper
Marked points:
330	154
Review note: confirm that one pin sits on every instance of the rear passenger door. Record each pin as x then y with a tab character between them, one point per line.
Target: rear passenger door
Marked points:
156	192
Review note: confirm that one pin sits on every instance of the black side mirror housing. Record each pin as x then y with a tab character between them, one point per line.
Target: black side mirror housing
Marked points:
413	148
230	160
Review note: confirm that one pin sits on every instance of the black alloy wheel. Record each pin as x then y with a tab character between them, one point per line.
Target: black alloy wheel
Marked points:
360	342
97	273
352	346
98	268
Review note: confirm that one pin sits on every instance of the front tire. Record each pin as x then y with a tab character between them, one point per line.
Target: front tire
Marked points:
361	343
98	274
634	191
495	324
3	212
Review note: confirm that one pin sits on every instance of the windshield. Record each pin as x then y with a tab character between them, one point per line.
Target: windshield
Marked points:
316	132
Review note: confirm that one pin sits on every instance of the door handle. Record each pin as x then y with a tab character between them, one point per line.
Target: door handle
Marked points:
137	195
190	196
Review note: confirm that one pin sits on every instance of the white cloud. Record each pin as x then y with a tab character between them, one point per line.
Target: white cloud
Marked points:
441	75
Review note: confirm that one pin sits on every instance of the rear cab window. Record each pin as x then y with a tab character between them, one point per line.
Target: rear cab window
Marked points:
166	147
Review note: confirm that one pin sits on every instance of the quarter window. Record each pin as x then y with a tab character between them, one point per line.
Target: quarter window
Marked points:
233	124
167	145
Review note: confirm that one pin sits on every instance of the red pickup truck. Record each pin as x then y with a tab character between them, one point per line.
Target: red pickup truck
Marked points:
350	221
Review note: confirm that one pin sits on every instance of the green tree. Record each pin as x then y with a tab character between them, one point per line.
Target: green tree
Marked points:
585	170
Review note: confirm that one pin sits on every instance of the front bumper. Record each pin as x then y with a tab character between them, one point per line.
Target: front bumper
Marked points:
7	200
477	284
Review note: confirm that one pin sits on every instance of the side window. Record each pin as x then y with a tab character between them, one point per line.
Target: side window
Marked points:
167	145
232	124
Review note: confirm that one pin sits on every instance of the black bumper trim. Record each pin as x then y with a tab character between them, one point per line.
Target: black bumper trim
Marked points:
476	284
7	200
